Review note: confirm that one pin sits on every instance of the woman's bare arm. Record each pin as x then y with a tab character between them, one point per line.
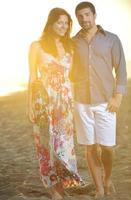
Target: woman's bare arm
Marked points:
33	58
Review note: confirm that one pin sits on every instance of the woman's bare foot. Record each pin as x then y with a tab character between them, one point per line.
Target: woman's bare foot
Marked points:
59	188
55	195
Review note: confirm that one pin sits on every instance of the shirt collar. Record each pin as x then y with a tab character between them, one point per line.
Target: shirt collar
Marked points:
100	30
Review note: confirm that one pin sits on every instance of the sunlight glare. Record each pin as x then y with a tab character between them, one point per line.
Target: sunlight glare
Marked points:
24	21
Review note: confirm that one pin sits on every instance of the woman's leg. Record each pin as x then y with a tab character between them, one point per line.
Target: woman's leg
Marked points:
59	188
55	195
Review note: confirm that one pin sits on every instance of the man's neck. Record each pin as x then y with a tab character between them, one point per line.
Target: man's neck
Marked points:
91	32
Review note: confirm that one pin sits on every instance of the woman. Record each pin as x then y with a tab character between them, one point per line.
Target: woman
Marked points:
50	101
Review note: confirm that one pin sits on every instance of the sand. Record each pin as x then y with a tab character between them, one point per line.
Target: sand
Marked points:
19	175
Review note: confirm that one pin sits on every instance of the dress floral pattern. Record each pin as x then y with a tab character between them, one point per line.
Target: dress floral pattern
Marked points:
52	103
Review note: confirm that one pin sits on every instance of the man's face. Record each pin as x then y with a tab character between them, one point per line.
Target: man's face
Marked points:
86	18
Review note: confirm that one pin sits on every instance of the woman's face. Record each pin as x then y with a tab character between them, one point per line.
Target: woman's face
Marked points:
61	26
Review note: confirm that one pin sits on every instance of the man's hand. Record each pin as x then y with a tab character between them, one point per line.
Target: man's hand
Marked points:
114	103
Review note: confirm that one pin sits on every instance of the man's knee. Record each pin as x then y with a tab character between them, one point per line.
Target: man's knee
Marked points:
93	149
107	148
107	152
89	148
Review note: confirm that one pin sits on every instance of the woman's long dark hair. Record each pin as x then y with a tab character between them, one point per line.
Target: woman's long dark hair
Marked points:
47	38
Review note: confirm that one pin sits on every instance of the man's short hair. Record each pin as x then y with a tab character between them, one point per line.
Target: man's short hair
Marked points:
85	4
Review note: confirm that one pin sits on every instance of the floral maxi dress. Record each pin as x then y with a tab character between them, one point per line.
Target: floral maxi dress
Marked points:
52	102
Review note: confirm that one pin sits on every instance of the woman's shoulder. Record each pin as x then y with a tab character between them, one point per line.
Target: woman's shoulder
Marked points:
35	48
35	45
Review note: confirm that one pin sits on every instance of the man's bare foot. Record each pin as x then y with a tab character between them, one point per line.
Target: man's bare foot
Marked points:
99	193
109	188
99	196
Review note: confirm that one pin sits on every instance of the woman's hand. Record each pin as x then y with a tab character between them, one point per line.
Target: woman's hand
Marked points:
30	114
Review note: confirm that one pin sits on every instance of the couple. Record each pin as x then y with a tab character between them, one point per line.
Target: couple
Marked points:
87	61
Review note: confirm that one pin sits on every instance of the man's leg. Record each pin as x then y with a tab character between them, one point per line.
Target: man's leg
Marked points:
105	129
107	160
85	123
94	165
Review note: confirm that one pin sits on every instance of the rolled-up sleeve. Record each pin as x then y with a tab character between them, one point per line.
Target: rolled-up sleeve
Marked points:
119	63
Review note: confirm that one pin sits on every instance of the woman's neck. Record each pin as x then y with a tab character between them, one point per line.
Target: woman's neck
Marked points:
60	48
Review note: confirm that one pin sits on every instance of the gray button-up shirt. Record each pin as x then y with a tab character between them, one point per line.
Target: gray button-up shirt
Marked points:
93	64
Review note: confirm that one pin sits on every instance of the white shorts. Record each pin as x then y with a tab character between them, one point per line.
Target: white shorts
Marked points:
94	124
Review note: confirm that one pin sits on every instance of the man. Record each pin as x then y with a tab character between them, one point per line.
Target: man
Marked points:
97	93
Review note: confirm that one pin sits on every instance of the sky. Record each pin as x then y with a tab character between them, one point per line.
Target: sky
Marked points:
22	22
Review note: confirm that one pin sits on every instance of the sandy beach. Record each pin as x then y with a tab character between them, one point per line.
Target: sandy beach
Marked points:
19	175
